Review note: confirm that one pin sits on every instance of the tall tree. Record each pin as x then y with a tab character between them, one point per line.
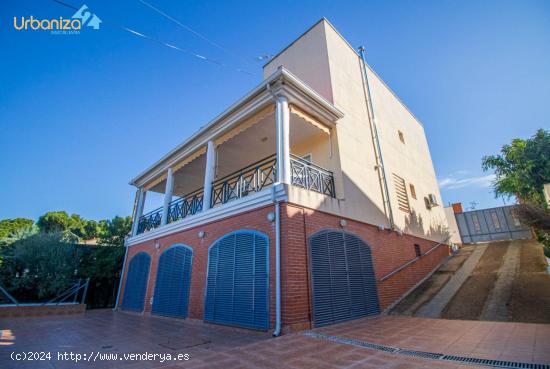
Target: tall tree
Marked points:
46	263
522	168
113	232
54	222
10	227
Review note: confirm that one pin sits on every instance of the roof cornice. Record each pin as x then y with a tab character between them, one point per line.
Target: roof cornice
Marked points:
280	82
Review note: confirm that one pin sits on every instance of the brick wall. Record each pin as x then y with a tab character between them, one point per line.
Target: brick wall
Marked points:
254	220
389	250
41	310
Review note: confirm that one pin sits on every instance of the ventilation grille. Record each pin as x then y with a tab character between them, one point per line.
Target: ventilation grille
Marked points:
401	192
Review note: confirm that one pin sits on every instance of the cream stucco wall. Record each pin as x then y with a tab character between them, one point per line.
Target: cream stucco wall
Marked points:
453	225
325	61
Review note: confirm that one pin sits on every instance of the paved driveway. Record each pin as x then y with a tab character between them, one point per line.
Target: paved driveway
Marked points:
339	346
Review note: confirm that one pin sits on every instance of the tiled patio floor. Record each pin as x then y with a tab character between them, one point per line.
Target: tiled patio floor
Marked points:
219	347
490	340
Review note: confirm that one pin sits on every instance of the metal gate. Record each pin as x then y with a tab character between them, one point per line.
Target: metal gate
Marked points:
491	225
342	278
237	291
173	280
136	282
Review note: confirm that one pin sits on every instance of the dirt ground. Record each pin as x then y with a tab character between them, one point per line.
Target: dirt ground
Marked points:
470	299
427	290
530	300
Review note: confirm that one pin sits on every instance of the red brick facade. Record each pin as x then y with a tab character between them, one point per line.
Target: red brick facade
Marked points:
389	251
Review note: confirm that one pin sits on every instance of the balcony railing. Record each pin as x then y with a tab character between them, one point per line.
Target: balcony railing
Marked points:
188	205
251	179
149	221
311	177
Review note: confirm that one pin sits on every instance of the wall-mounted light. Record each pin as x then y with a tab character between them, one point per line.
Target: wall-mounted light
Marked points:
343	223
270	216
399	232
202	234
157	245
381	227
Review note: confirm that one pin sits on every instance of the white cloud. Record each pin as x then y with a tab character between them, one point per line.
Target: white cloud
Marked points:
454	181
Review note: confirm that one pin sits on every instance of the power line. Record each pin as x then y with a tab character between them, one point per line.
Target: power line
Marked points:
166	44
187	28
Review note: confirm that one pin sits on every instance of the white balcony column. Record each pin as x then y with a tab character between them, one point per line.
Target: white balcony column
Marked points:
282	119
209	174
167	196
139	210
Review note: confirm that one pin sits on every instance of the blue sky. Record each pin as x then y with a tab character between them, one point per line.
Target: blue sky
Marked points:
80	115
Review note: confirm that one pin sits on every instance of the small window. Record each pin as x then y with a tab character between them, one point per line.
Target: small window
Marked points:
417	250
413	191
401	137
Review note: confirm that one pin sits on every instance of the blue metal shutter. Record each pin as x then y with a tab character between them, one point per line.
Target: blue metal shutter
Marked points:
343	280
237	291
173	280
136	282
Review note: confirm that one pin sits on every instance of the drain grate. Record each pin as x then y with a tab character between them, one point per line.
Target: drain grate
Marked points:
494	363
351	341
428	355
421	354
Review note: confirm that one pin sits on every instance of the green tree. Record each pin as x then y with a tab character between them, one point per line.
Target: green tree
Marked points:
54	222
113	232
10	227
91	229
77	226
46	264
522	168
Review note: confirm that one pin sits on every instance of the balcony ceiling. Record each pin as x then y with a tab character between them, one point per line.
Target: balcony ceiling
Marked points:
248	147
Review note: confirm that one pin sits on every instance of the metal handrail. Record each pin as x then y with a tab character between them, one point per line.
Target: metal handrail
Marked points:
312	177
189	204
242	170
403	266
308	163
71	291
252	178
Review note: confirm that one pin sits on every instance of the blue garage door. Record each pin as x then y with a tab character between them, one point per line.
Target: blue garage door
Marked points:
343	280
237	291
136	282
173	279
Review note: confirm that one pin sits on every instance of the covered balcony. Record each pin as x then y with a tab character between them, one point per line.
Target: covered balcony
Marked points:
275	139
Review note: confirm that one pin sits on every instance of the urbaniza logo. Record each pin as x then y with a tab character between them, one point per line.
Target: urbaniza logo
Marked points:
59	26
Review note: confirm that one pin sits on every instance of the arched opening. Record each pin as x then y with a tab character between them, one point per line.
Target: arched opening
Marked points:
136	282
237	285
173	280
342	278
